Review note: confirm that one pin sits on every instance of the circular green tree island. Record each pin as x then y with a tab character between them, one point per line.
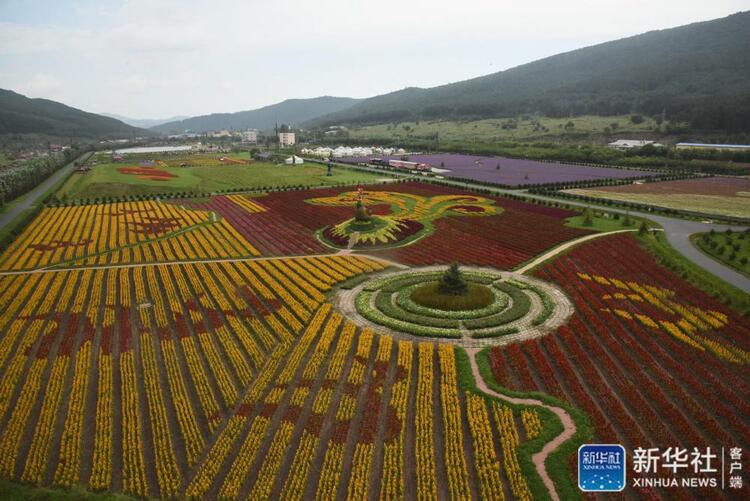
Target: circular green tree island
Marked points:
453	293
465	305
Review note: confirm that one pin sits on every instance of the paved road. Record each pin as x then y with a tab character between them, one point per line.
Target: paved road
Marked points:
32	197
677	231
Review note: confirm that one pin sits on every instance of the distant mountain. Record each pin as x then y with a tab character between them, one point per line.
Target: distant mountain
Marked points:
699	73
293	111
145	123
21	115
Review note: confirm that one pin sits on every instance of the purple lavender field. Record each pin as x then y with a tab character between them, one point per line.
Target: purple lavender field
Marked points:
513	172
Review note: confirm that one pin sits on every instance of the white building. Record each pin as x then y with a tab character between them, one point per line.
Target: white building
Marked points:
249	136
286	139
626	144
294	160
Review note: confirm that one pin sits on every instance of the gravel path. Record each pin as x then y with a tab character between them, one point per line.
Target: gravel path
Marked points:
51	268
562	248
569	427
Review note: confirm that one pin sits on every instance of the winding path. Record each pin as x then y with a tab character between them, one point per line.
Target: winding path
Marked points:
539	459
562	248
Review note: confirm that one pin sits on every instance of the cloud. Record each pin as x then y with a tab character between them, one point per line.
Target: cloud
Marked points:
169	57
40	85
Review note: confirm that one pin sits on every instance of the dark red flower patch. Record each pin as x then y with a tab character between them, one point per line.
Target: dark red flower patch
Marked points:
147	172
59	244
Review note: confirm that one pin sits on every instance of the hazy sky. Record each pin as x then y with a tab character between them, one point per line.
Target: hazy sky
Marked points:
154	58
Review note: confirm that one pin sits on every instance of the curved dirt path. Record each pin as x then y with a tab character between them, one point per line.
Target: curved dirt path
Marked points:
569	427
565	246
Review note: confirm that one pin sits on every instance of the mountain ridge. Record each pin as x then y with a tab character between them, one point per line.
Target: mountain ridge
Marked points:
673	71
292	111
37	116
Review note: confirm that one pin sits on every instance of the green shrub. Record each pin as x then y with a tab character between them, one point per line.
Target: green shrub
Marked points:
403	299
384	304
430	295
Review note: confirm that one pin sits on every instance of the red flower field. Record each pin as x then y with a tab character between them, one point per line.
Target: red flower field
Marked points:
639	385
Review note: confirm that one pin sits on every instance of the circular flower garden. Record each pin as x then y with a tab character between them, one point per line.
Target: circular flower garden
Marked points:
496	306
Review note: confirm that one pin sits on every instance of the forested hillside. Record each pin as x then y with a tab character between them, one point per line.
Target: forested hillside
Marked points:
699	74
21	115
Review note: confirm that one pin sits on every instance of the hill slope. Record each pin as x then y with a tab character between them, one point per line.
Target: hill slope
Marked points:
21	115
290	111
698	73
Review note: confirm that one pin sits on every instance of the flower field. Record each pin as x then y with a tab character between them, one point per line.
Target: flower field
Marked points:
233	379
515	232
410	216
511	171
649	358
127	232
203	349
504	241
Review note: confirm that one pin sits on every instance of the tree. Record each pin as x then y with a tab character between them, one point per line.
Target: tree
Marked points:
587	219
643	229
627	221
452	282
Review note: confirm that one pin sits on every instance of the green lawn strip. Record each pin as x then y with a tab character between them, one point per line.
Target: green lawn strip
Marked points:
384	305
498	332
13	491
404	300
105	180
548	306
656	244
719	248
352	282
520	304
362	304
557	462
599	223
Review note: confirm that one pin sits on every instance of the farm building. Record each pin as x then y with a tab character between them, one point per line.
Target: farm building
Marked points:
705	146
626	144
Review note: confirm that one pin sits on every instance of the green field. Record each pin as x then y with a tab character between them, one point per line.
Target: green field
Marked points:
706	204
732	249
106	180
604	221
500	129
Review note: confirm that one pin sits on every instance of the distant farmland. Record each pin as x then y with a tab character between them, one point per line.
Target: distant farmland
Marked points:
726	196
511	171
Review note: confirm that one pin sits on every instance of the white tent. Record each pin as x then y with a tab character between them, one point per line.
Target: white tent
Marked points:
294	160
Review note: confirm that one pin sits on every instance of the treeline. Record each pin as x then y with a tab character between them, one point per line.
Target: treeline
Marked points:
15	180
